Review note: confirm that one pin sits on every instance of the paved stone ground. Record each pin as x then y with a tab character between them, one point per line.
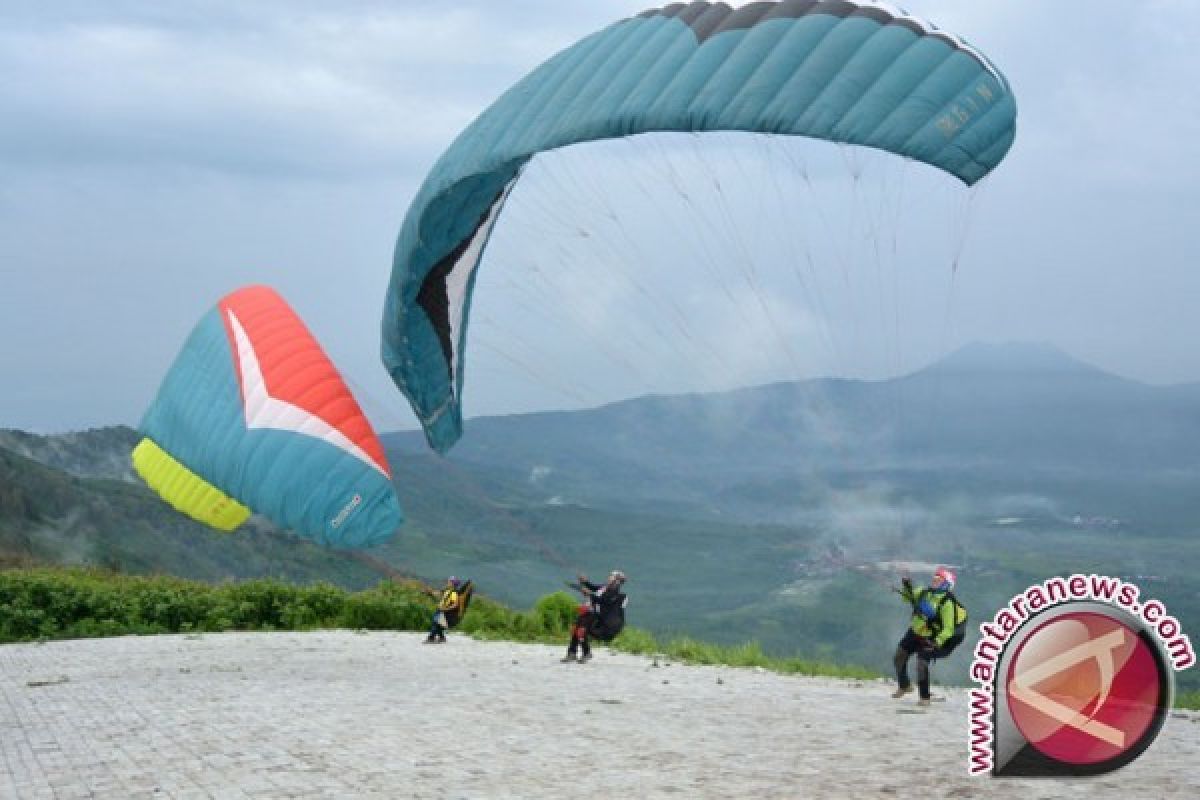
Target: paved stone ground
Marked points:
340	714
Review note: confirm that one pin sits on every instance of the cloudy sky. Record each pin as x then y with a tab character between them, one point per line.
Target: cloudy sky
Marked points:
154	156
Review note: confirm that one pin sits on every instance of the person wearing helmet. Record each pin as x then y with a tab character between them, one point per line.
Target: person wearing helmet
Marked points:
602	615
938	625
447	602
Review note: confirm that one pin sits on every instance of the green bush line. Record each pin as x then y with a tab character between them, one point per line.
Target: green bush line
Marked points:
1190	699
46	603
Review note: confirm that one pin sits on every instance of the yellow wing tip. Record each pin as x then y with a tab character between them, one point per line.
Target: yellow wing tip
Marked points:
184	490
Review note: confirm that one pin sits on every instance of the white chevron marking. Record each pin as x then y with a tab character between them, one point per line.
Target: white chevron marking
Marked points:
267	412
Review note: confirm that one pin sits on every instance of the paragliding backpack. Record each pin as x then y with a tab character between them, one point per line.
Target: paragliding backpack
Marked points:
606	623
960	622
455	615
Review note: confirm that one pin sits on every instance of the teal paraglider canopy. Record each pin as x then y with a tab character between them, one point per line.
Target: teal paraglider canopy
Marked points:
254	416
857	73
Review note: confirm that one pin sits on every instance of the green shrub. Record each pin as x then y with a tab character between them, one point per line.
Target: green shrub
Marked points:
636	641
259	604
324	601
384	608
556	613
20	624
487	619
63	603
169	606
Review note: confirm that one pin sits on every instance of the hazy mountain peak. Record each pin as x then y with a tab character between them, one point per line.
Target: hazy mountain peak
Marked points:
1022	357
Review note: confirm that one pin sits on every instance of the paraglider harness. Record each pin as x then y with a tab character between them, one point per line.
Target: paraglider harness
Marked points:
453	615
935	622
603	617
609	618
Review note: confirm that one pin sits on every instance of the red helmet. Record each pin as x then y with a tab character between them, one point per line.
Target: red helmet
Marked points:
944	578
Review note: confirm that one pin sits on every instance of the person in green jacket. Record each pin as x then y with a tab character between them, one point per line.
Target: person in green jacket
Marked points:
937	627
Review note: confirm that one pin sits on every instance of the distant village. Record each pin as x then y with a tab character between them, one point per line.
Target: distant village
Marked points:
1080	521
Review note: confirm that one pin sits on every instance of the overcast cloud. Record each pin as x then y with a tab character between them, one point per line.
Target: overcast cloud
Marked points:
155	156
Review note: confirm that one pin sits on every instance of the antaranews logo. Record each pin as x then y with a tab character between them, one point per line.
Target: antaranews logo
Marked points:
1076	678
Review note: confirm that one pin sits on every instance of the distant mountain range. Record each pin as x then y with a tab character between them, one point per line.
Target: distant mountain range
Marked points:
1006	416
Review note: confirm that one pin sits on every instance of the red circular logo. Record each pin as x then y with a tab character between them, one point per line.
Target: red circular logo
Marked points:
1085	689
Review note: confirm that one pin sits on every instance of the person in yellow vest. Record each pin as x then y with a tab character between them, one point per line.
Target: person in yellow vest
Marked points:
447	602
938	625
